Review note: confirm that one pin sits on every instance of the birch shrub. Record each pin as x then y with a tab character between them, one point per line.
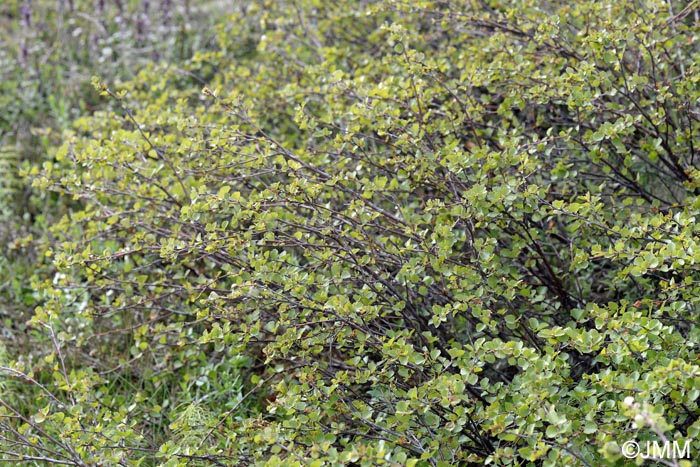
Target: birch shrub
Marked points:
397	233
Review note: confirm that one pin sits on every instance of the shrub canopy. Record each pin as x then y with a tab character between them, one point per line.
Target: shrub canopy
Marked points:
420	233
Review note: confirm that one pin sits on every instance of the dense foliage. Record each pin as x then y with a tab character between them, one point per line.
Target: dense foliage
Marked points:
49	50
421	233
